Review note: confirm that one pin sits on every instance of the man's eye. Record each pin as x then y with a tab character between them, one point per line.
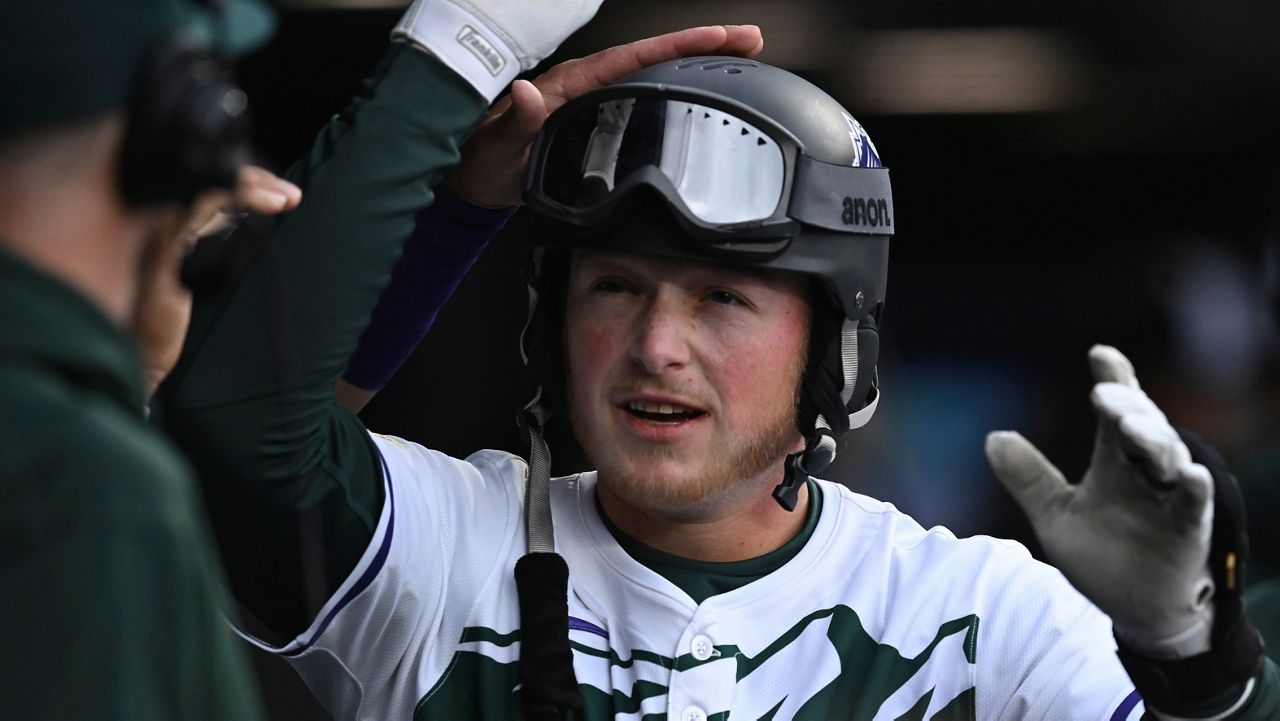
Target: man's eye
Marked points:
725	297
610	285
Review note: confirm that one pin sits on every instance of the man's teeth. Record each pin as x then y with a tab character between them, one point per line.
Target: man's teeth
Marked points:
661	408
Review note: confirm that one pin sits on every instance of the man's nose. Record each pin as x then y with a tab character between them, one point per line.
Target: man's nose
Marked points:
662	338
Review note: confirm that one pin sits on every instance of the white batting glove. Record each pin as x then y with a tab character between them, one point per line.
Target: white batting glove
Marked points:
490	42
1134	535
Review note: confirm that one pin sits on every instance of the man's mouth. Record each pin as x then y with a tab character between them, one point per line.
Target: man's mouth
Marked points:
662	412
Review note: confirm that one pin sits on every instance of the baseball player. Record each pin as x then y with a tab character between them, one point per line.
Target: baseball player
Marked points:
708	279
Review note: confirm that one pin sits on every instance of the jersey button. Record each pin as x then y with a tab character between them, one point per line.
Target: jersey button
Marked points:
702	648
693	713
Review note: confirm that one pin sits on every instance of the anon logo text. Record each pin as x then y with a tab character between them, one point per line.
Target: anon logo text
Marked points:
866	211
480	47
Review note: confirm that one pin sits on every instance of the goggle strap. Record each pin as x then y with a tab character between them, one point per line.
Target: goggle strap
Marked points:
787	492
843	198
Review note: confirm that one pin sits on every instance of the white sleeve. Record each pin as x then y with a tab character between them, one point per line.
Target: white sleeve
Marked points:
393	624
1053	652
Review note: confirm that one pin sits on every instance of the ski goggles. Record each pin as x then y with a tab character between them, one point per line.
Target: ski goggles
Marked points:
735	178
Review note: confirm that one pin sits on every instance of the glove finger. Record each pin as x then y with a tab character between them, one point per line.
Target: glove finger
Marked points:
1192	514
1153	444
1033	481
1111	366
1184	488
1116	401
1197	484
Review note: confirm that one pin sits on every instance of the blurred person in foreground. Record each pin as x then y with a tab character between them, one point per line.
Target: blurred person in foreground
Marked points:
706	292
119	136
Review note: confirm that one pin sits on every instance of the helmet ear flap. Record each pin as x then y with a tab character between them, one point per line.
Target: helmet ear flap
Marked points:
840	378
542	342
820	388
840	388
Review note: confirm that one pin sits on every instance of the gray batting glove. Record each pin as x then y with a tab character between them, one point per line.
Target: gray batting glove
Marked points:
1134	535
490	42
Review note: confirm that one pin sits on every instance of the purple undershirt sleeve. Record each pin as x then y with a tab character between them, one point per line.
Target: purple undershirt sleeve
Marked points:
448	237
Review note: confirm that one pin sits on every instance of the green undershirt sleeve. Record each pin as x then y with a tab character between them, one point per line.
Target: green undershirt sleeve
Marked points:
292	480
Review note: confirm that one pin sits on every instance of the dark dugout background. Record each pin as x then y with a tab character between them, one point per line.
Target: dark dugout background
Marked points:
1064	173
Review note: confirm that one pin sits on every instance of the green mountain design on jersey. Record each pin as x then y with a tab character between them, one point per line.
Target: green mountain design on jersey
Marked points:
870	673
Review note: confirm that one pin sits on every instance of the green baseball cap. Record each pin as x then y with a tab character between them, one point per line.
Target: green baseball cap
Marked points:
65	59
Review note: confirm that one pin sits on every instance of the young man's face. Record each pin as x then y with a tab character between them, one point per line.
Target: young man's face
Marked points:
683	375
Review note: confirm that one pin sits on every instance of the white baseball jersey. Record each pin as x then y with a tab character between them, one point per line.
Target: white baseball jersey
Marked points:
874	618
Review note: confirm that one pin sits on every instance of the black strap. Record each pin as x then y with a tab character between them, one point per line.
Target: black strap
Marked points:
1200	685
842	197
787	493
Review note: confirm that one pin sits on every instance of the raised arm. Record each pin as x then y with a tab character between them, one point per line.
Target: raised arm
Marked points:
291	479
485	187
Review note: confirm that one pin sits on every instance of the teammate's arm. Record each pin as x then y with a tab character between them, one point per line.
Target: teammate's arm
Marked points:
485	187
291	479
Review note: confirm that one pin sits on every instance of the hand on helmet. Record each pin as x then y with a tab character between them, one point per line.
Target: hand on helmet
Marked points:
491	172
1134	534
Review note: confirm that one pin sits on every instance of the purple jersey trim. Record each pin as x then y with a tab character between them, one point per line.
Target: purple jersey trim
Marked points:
1126	706
369	574
577	624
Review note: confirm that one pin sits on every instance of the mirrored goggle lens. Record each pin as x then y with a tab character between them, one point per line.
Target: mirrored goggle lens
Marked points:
724	169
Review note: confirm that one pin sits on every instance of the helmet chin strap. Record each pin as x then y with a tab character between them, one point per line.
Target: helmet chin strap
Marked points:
819	452
787	493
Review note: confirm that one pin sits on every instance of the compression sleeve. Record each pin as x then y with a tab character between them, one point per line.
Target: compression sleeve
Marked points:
448	237
291	479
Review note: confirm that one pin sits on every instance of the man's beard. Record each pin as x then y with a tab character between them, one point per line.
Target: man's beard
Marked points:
731	473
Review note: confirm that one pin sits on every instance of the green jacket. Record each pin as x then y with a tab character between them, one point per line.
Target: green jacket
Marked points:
110	596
